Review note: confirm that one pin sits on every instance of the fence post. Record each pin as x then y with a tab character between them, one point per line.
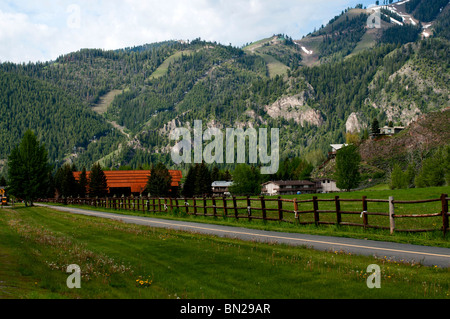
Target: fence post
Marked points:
444	202
280	208
205	210
225	210
263	207
316	208
338	210
235	207
249	208
195	206
364	212
391	214
214	206
186	205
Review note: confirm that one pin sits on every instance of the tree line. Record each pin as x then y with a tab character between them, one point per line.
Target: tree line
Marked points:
430	172
30	176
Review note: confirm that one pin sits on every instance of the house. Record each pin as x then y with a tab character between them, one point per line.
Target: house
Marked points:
326	185
272	188
388	130
221	188
334	149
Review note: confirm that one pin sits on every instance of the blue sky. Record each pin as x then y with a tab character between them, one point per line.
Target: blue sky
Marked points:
43	30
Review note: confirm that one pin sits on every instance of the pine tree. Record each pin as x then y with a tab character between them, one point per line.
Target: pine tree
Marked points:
189	183
203	180
98	185
28	175
375	127
215	174
65	182
83	183
160	181
198	181
227	176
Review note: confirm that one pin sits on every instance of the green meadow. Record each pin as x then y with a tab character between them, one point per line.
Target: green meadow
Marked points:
119	260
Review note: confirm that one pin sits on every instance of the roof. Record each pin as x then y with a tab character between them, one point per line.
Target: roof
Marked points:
221	184
395	127
136	180
337	147
289	183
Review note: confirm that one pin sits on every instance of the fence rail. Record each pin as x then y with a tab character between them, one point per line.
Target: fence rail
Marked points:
298	211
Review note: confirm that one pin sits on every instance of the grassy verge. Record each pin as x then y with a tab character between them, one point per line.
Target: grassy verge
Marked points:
116	260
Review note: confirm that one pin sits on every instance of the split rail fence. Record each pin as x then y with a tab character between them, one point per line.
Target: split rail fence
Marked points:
383	215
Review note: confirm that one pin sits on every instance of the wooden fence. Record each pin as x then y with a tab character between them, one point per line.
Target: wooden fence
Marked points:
299	211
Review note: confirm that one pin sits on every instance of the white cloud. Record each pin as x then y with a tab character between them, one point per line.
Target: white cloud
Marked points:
19	37
44	30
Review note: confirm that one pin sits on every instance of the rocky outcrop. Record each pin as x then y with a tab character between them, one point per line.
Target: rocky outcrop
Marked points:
353	124
294	107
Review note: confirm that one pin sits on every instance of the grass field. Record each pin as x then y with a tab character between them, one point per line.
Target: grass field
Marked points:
124	261
164	67
274	66
105	101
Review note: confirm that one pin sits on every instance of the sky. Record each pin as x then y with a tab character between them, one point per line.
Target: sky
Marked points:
32	31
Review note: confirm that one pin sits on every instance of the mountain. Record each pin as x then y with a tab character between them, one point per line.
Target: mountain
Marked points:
117	107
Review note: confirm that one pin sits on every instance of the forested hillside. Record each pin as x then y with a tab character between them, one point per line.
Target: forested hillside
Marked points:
316	89
58	119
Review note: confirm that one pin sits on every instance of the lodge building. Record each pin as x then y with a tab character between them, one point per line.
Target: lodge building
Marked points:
131	182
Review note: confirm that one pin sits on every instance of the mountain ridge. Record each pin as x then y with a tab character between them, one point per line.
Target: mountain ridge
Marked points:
314	95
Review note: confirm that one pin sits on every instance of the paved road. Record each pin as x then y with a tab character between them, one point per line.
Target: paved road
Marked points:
427	256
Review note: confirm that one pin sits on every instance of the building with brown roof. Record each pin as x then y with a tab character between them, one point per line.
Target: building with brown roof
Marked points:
131	182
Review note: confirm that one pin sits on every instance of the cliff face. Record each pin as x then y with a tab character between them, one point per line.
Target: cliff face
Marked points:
294	107
354	123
